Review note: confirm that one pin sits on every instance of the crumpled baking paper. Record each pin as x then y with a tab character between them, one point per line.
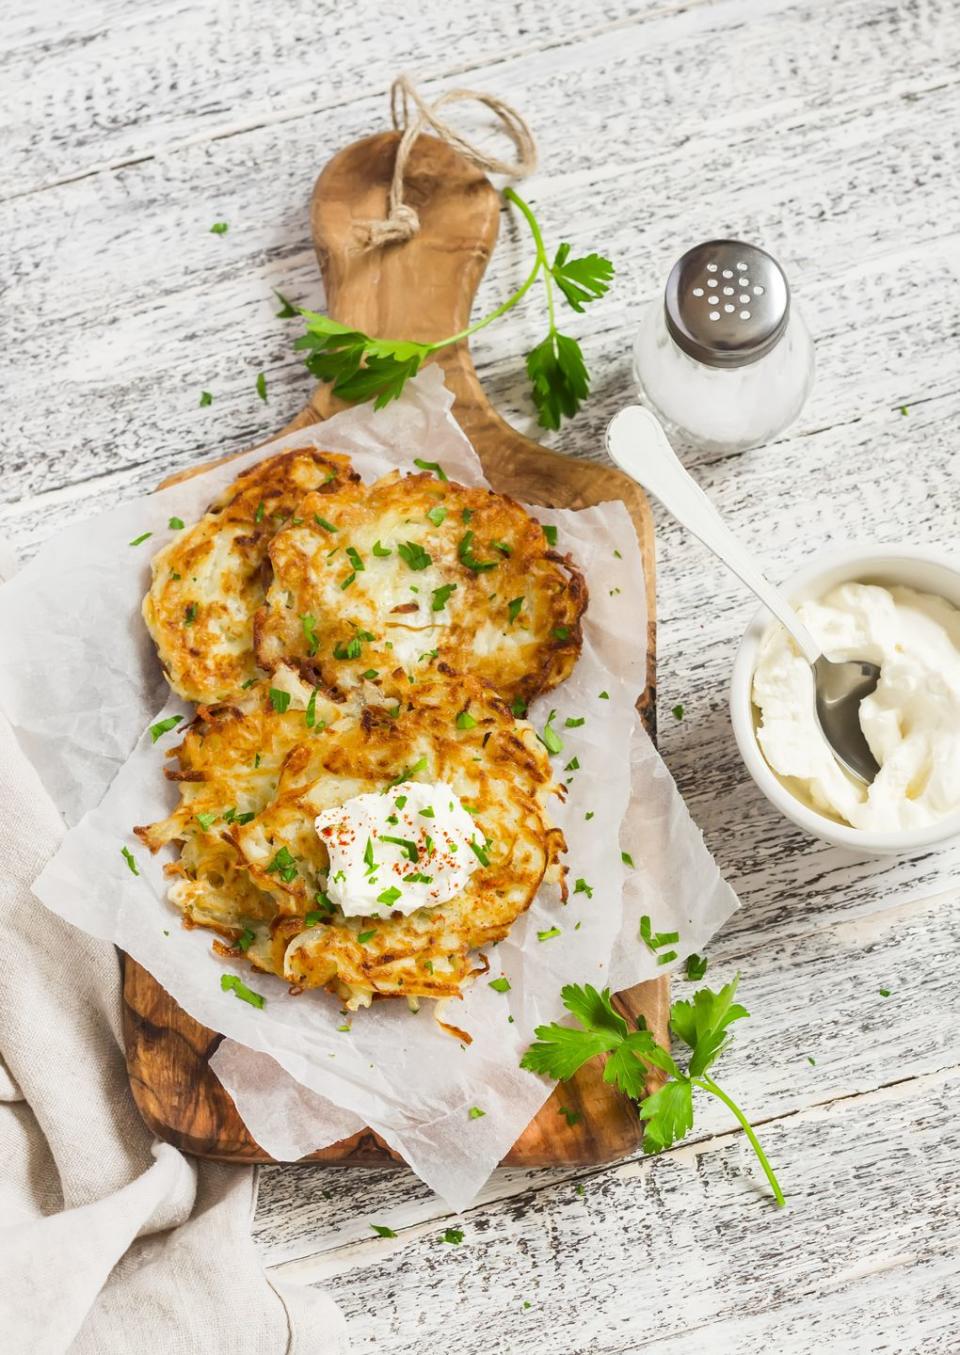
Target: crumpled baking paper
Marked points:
80	683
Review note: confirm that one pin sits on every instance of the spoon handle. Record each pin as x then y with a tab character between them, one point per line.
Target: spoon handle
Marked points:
639	446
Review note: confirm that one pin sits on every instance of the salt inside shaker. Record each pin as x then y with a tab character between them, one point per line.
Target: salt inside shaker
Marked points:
724	359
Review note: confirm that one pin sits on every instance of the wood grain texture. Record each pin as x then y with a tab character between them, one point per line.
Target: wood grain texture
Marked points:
422	290
828	131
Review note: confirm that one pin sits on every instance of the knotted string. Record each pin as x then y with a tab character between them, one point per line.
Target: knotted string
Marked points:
402	221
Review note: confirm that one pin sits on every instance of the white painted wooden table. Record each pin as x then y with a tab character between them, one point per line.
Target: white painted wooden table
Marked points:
828	130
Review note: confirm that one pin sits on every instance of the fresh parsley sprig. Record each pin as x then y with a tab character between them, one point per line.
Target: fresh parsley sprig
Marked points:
362	368
702	1025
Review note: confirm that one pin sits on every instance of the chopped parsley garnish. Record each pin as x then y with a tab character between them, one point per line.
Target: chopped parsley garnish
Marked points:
364	937
440	596
572	1117
348	580
475	1113
128	856
389	896
206	398
570	723
573	765
466	721
407	848
142	537
246	939
309	624
260	510
581	887
696	967
311	713
381	552
322	522
368	860
430	465
677	712
548	934
231	984
466	514
370	674
175	524
604	696
667	957
467	557
501	985
262	387
164	726
279	700
588	816
418	878
479	852
618	555
206	821
519	707
502	547
513	609
436	514
418	766
550	533
414	555
454	1235
701	1025
190	615
884	992
284	865
355	559
219	228
550	739
400	801
382	1230
428	813
627	860
561	632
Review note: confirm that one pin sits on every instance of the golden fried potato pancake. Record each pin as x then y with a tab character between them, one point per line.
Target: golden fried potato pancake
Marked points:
210	580
415	572
261	873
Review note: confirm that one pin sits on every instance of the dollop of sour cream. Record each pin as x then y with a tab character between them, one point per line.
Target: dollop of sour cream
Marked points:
398	850
911	722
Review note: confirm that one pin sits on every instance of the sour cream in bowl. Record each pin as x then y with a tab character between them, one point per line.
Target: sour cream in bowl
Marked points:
897	607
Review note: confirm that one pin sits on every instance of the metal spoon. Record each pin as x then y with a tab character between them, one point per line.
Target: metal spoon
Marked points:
639	446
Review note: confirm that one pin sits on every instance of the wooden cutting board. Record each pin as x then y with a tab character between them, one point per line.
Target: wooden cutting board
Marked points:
420	290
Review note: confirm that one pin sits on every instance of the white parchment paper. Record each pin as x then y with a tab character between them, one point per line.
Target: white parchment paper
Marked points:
80	684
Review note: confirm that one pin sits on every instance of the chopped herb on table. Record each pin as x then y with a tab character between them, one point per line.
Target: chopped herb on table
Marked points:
501	985
453	1235
677	712
128	856
219	228
142	537
476	1113
262	387
382	1230
205	399
550	739
702	1025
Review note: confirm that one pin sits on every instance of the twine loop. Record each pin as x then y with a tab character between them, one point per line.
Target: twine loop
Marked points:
402	221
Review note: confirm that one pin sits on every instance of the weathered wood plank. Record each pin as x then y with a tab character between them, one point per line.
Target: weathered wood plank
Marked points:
815	997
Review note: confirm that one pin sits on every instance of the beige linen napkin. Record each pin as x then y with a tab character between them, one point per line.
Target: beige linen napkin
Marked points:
109	1240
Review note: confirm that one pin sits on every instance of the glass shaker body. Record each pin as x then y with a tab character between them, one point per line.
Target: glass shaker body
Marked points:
737	400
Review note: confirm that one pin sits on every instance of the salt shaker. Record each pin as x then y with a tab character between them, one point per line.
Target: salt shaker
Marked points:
724	359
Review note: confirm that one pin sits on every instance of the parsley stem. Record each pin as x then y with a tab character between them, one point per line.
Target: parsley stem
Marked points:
502	309
707	1084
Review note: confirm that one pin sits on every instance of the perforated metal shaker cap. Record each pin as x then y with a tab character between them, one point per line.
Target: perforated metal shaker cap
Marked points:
727	303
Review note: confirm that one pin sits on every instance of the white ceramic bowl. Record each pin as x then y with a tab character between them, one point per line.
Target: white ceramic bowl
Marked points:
927	571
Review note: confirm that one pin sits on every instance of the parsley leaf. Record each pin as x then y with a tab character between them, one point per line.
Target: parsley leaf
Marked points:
513	609
309	624
696	967
501	985
677	712
231	983
414	555
382	1230
142	537
219	228
465	720
262	387
130	859
246	939
175	524
279	700
558	377
163	726
581	280
454	1235
440	595
475	1113
437	514
430	465
550	532
550	739
467	557
702	1025
288	310
381	552
205	399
